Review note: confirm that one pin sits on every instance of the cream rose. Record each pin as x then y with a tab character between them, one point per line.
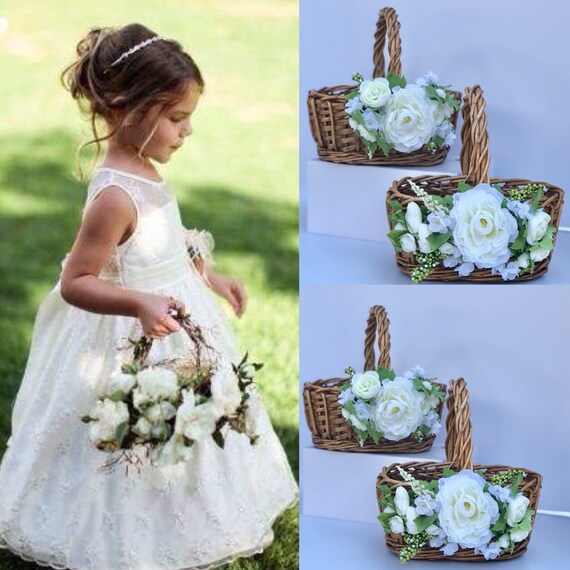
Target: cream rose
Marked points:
408	243
537	226
366	385
467	512
397	413
518	535
107	416
375	93
396	524
401	501
413	217
158	383
409	121
539	254
483	229
516	509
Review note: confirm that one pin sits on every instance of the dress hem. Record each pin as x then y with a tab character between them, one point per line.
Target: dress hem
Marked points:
258	549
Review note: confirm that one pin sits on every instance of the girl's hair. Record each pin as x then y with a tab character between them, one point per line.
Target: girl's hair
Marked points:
158	73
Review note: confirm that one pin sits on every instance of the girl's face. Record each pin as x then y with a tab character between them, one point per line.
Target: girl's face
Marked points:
169	128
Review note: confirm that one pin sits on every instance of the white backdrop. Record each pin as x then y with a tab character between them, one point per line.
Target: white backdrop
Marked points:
515	49
509	343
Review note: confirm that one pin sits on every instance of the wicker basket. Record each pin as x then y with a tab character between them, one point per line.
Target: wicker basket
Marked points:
458	450
323	414
475	160
336	141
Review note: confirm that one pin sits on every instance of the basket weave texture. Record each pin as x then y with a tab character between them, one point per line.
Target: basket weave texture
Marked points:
459	451
475	160
336	141
329	429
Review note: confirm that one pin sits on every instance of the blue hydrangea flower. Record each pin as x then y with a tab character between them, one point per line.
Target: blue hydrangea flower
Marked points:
425	505
345	396
489	551
439	222
354	104
450	549
371	121
519	209
500	493
465	269
362	410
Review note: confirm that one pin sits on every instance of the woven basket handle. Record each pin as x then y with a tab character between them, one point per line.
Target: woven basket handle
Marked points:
459	440
475	156
387	25
377	325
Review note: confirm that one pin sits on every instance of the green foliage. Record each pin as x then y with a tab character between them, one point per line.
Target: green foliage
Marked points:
437	240
448	472
396	80
423	521
385	373
394	236
384	519
463	187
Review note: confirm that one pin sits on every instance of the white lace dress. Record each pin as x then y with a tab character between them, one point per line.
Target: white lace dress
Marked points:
56	507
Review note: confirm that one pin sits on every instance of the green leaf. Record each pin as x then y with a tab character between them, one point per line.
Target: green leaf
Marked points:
519	244
121	431
516	484
357	116
344	387
351	95
396	80
423	521
385	373
396	206
384	519
129	368
536	200
463	186
385	490
374	434
394	236
349	407
386	147
526	523
419	385
501	525
447	472
437	240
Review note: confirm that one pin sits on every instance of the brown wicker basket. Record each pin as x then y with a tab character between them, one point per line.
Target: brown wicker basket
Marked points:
336	141
323	414
458	450
475	160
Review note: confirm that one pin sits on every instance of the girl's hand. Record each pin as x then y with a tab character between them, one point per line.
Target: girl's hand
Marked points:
154	314
230	289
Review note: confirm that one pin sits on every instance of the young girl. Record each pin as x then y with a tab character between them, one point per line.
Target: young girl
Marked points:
128	269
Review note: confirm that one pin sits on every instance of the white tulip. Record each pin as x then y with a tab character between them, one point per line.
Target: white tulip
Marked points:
413	217
397	525
408	243
401	501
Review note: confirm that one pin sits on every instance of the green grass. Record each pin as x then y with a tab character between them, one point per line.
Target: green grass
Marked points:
237	176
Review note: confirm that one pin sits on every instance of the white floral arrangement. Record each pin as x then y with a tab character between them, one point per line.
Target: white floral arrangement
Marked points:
459	510
389	113
165	409
474	228
378	404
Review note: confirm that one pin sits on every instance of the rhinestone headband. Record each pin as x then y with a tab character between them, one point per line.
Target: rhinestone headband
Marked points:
134	49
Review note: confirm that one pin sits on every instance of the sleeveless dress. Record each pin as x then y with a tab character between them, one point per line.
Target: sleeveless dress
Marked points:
56	508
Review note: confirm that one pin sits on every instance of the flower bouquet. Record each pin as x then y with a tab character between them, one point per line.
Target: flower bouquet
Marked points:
377	404
473	227
455	510
389	113
161	411
375	411
385	120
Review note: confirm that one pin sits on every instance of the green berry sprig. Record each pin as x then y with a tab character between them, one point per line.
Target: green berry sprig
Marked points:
432	147
525	192
358	78
506	477
350	371
419	435
428	263
414	543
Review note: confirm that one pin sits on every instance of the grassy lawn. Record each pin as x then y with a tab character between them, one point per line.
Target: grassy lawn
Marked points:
237	176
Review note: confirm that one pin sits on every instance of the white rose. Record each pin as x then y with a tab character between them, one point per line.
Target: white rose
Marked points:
400	226
411	515
120	382
365	133
108	416
401	501
160	412
375	93
539	254
142	428
397	413
408	243
516	509
467	512
397	525
518	535
409	122
158	383
423	234
523	260
196	422
413	217
483	229
366	385
537	226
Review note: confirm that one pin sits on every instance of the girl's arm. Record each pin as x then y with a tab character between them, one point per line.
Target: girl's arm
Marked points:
108	221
